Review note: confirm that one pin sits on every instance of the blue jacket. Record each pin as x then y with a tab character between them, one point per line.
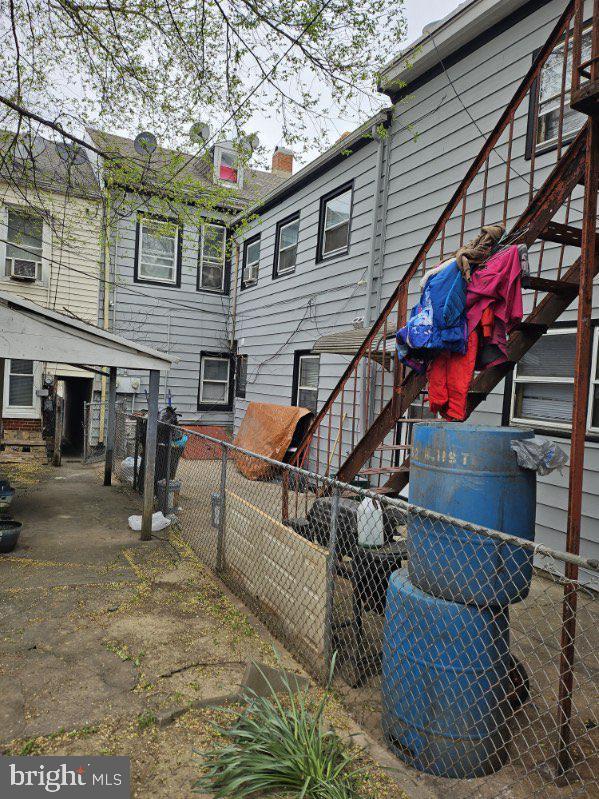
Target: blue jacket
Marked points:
438	322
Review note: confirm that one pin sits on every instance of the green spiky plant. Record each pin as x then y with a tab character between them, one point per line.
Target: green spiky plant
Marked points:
283	748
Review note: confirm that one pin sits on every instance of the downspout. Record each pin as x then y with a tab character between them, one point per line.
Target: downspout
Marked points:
234	298
366	411
106	305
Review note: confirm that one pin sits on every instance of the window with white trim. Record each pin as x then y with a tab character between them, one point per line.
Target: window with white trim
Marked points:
307	373
543	389
215	380
549	96
20	378
287	237
24	245
251	262
157	250
213	251
335	223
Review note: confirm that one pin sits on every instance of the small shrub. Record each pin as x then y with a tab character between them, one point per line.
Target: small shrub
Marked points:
283	746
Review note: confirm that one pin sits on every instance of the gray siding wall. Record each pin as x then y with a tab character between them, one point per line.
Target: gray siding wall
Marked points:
179	320
276	317
432	142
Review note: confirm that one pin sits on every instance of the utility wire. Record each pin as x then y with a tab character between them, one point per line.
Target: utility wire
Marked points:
122	286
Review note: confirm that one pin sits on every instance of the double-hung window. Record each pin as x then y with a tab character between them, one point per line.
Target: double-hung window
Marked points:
287	237
24	245
215	381
157	258
543	389
306	371
334	225
546	99
20	377
251	261
213	252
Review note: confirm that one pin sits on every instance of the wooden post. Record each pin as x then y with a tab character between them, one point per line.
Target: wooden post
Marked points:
110	427
58	426
150	455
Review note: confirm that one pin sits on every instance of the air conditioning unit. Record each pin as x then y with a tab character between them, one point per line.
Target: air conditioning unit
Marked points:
22	269
250	273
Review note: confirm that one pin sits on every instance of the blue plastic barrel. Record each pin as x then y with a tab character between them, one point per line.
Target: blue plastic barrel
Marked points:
445	682
470	473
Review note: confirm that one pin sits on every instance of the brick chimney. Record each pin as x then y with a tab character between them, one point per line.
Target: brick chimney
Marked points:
282	161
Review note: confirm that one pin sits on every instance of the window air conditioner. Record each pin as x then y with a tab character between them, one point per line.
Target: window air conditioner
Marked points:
250	274
21	269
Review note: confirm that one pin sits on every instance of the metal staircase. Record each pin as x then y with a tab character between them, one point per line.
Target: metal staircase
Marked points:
364	427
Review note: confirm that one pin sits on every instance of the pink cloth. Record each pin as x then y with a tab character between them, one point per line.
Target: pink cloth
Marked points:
497	285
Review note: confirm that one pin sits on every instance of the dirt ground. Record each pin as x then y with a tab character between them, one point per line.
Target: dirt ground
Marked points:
104	639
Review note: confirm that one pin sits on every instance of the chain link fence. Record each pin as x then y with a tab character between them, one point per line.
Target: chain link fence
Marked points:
471	654
95	419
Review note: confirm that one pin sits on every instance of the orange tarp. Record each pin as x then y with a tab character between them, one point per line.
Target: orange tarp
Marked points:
267	430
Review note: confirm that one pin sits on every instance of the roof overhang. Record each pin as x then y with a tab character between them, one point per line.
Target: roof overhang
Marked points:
441	39
31	332
340	150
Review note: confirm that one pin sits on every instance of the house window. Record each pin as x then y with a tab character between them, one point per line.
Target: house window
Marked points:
226	166
287	236
546	94
334	223
157	256
251	262
24	246
306	370
215	381
241	376
19	388
213	245
543	390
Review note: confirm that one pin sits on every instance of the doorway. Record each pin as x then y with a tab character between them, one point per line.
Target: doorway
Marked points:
76	392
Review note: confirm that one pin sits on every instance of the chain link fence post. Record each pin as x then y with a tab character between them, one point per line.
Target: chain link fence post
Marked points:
220	541
330	581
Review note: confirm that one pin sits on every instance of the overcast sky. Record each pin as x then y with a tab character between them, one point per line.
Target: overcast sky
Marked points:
418	14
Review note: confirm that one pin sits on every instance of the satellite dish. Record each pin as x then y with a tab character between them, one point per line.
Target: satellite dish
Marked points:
38	146
145	143
22	150
199	132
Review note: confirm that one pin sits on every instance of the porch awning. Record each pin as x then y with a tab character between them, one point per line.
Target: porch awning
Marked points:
347	342
32	332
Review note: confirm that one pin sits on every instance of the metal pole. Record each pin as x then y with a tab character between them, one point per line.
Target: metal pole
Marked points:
136	456
111	426
330	583
582	370
58	428
86	416
167	475
222	525
285	497
150	455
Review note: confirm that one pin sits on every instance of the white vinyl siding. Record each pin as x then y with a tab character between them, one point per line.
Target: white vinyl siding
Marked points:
158	247
212	258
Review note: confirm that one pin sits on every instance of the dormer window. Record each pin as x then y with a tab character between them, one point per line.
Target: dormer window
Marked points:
226	166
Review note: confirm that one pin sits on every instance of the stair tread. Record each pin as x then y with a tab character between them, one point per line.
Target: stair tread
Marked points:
385	470
393	447
530	327
545	284
558	233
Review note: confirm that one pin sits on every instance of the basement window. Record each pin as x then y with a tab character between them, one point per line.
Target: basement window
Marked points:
214	390
306	373
543	390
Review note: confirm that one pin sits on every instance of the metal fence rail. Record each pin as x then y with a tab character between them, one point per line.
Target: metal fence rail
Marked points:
448	636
